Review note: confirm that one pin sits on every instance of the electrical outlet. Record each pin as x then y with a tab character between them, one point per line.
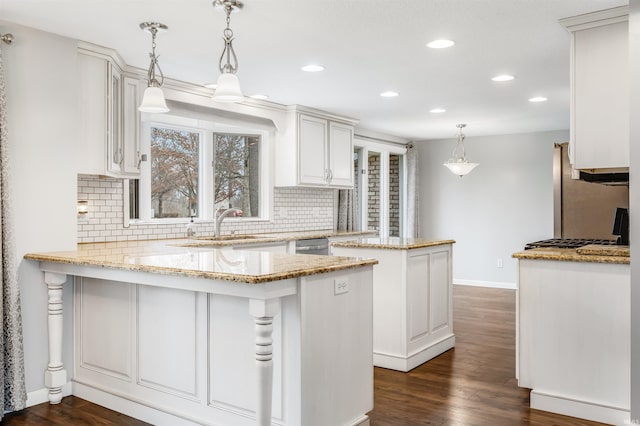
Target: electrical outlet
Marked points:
340	286
499	263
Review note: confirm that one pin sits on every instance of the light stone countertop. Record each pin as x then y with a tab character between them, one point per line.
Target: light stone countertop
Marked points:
592	253
168	257
392	243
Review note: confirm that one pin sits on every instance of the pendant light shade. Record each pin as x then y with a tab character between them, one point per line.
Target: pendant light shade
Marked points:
458	163
461	168
153	101
228	89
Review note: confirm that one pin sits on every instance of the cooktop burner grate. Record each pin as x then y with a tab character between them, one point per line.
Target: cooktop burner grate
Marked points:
568	243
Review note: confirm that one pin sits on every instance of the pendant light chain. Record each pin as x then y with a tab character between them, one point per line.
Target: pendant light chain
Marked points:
460	146
228	52
151	74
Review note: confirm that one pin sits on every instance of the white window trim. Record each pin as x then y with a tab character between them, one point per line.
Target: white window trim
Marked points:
206	129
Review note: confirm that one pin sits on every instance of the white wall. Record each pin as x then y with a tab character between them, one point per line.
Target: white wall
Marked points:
40	78
634	205
504	203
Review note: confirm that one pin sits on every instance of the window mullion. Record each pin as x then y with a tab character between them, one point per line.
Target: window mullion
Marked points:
207	176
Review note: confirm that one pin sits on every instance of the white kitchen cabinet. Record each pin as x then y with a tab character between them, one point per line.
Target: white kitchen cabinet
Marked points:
412	298
313	140
316	150
131	99
340	154
108	116
599	89
572	344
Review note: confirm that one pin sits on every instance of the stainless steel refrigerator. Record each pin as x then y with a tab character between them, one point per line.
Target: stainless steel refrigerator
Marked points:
584	209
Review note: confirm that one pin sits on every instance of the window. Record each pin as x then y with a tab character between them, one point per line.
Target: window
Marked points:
174	172
196	167
237	172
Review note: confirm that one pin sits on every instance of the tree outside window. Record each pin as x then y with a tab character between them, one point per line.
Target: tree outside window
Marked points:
174	172
237	172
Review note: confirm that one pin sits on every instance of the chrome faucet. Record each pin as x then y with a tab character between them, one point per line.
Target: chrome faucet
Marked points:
222	216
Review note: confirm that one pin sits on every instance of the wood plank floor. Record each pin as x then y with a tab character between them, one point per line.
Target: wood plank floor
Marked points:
470	385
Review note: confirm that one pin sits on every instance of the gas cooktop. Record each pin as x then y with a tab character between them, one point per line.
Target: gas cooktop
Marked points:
568	243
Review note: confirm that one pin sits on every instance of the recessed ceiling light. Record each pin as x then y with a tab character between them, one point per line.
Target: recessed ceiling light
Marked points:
211	85
440	44
259	96
503	77
437	110
538	99
313	68
389	94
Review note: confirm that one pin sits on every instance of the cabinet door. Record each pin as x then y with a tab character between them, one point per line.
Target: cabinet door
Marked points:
131	126
600	137
114	123
312	146
340	155
92	110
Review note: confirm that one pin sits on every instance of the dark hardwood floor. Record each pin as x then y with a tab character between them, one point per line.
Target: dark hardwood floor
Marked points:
72	411
470	385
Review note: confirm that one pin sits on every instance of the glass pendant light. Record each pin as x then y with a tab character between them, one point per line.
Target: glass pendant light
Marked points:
228	85
458	164
153	98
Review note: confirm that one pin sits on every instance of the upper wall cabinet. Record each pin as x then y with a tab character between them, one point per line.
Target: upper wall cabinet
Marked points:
599	89
109	118
315	151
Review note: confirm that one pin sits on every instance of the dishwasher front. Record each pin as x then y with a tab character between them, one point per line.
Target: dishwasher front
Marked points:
313	246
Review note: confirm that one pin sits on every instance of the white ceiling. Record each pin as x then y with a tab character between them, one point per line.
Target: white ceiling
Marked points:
366	46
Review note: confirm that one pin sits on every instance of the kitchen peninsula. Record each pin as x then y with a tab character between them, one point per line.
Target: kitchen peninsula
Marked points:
165	333
412	298
573	331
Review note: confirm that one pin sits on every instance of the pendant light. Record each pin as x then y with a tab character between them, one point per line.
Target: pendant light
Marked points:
153	99
228	86
458	164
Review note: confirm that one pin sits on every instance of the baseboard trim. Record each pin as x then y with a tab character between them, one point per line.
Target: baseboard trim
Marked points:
42	395
364	421
581	409
407	363
137	409
490	284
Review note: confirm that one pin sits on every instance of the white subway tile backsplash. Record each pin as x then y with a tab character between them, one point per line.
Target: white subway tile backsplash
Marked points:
294	209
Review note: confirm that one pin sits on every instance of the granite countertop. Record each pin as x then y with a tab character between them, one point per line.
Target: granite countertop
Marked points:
228	240
168	257
393	243
592	253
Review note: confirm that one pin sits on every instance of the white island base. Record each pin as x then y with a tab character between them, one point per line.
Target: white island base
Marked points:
185	350
412	298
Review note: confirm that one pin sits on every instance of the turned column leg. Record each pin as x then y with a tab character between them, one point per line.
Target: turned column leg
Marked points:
263	312
56	376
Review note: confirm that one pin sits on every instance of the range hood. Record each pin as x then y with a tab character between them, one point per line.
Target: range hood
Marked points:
612	178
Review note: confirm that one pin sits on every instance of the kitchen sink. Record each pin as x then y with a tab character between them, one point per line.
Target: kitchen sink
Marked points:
228	237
